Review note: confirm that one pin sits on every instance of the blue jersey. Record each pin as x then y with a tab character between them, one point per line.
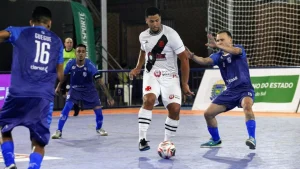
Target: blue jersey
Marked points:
234	69
36	53
82	77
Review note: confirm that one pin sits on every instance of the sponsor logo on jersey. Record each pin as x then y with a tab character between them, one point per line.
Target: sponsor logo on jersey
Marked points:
41	68
148	88
157	73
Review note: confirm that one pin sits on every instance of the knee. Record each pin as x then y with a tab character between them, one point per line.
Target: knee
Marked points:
174	110
208	114
38	144
148	101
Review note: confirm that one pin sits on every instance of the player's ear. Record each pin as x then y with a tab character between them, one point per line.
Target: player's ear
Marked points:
49	24
31	23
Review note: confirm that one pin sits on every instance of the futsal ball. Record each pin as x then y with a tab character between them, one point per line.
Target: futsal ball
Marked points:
166	149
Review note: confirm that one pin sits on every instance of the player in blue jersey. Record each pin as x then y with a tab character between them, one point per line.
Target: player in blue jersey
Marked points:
83	90
37	61
232	61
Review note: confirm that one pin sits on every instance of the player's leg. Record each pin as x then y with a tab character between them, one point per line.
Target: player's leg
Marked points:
7	147
37	155
246	104
76	110
39	133
64	115
151	92
212	125
9	118
99	121
171	97
227	100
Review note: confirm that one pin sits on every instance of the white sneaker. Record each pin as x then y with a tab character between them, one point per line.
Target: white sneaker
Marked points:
102	132
57	135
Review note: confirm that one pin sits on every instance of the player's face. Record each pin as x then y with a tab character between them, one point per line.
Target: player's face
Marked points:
68	44
154	22
224	39
80	53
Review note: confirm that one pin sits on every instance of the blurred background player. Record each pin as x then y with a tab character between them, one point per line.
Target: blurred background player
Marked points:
37	61
82	89
69	53
161	45
232	61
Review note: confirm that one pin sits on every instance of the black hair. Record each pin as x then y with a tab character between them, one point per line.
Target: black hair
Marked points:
41	15
80	45
152	11
225	31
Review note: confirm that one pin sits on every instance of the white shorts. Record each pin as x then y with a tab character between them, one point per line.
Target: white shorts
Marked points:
164	83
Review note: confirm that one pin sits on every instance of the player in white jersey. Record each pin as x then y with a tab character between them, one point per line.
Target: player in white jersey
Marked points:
160	47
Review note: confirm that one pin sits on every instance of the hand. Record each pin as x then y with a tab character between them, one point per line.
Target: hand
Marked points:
211	41
186	90
110	101
134	72
190	54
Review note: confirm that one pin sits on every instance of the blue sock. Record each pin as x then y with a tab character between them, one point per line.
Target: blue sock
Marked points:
214	133
64	115
99	118
8	153
49	119
251	125
35	160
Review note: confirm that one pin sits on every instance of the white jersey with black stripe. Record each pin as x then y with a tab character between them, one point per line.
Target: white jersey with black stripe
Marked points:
167	60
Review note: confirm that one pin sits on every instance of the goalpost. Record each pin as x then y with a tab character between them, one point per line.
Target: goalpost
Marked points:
268	29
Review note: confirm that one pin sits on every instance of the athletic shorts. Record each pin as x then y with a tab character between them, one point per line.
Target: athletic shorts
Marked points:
164	83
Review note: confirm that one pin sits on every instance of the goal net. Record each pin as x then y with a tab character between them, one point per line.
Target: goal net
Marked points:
268	29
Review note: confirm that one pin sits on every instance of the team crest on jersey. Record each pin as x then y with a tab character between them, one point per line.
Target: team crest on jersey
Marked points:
73	67
84	74
84	68
217	89
157	73
229	59
161	43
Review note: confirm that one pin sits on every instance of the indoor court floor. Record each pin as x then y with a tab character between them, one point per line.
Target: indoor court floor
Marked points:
277	137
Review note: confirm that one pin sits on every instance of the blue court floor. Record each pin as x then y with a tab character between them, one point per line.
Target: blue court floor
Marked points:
81	148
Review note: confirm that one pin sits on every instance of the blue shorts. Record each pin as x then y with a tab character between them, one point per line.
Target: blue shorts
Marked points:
232	98
89	99
31	112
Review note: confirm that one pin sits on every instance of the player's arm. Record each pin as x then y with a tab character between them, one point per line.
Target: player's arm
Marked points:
4	35
100	83
141	60
185	67
139	65
230	49
198	59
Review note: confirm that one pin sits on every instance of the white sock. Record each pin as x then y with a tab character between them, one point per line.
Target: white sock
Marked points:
170	128
145	117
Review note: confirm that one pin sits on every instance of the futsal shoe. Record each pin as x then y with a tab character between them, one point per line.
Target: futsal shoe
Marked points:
143	145
251	143
57	135
12	166
211	144
102	132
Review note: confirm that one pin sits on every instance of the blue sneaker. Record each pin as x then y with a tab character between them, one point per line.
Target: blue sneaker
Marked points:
211	143
251	142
